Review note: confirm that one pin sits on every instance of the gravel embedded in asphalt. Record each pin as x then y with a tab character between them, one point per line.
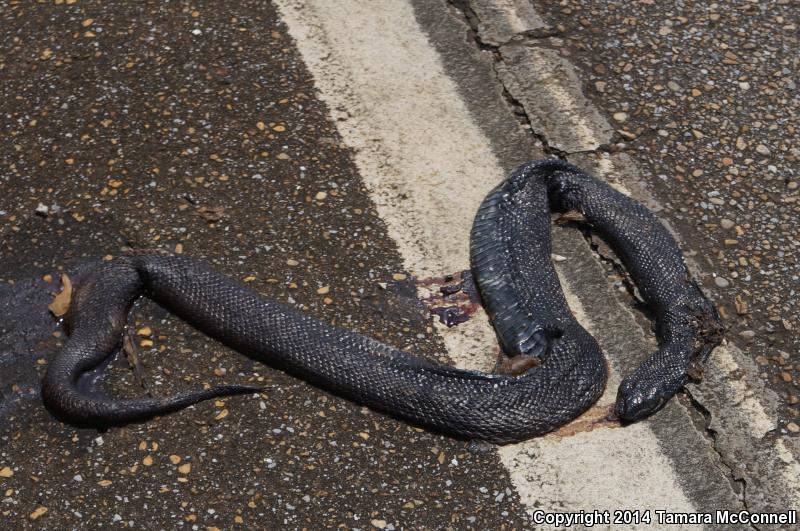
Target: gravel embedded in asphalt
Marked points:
196	129
709	94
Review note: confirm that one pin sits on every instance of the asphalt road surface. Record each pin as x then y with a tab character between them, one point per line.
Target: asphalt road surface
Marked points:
331	155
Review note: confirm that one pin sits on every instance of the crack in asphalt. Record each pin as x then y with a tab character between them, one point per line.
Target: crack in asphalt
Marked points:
695	407
516	106
518	109
528	35
711	435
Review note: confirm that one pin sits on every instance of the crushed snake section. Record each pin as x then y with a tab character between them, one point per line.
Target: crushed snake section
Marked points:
511	265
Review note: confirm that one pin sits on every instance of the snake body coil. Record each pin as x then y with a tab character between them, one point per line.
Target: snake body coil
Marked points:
511	264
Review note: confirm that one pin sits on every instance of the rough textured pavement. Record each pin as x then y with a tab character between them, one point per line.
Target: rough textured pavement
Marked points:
162	126
196	127
704	97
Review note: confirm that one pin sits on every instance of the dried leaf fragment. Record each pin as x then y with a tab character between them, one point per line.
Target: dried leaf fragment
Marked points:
60	303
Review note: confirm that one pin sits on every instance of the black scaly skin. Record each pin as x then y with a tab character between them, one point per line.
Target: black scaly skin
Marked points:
510	262
511	265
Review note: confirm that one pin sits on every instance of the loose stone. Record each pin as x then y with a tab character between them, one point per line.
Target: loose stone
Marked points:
747	334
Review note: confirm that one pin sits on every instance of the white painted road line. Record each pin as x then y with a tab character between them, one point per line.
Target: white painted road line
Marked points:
413	136
427	166
425	163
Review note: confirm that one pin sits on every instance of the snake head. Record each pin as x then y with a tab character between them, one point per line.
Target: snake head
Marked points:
637	400
649	387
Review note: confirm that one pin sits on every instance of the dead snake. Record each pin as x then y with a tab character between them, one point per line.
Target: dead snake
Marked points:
510	263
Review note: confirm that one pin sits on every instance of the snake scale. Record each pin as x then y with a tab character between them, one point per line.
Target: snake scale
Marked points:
511	265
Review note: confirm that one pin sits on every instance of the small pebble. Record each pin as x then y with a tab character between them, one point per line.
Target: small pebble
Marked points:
726	223
721	282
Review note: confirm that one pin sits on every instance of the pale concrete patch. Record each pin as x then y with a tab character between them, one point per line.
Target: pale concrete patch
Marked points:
603	469
502	20
549	90
472	345
743	415
543	82
740	394
605	170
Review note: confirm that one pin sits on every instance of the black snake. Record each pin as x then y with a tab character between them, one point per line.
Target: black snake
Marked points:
510	262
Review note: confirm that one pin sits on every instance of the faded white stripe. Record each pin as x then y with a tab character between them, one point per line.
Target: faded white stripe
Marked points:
427	165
